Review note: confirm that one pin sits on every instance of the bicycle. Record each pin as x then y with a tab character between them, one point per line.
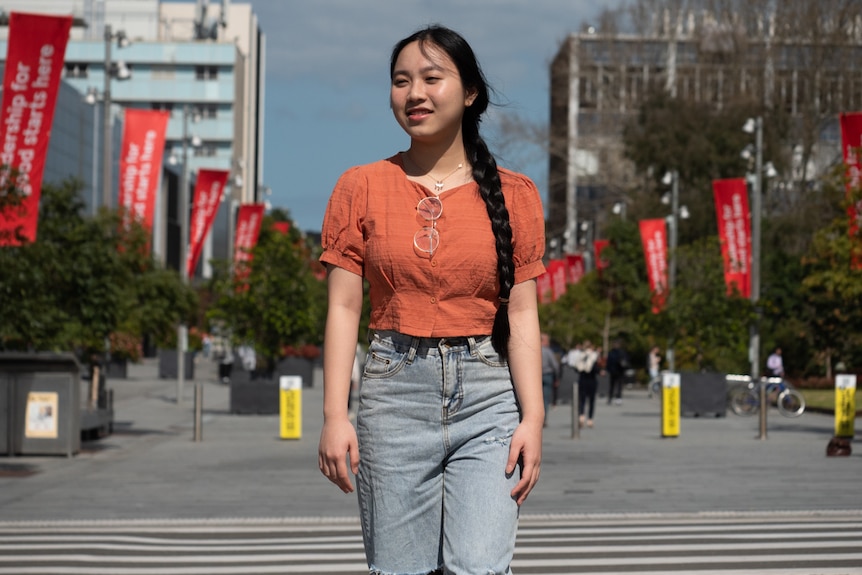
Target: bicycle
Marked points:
745	399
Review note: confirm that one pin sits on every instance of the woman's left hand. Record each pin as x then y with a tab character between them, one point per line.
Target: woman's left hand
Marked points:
526	449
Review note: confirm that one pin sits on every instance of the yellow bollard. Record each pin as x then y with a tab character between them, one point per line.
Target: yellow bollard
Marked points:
670	404
290	403
845	405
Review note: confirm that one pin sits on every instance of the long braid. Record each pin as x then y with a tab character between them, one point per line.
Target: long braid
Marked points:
486	176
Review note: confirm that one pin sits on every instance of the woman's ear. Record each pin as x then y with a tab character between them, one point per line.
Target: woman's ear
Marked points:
470	97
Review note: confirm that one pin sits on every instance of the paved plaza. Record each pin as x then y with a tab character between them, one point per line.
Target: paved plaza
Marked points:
150	467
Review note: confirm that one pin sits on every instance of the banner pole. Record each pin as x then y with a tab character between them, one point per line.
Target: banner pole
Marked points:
106	123
183	211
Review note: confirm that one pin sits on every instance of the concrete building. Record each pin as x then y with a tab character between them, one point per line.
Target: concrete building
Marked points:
202	63
599	80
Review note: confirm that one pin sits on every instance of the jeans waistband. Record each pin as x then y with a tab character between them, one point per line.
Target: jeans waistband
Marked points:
421	344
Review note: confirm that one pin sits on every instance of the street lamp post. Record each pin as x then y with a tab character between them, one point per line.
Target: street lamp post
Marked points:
122	41
106	123
756	126
183	214
619	208
672	178
674	233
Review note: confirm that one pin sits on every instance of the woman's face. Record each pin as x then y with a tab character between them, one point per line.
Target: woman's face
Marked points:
427	96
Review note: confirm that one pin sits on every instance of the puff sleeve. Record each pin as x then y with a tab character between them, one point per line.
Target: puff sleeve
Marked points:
343	235
527	218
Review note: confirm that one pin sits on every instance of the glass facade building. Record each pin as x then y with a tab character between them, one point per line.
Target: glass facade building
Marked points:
208	67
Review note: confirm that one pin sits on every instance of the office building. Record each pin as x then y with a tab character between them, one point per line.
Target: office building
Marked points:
193	59
600	79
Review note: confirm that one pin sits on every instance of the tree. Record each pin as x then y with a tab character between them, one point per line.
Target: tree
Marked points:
82	280
279	305
832	287
577	315
710	326
11	198
671	83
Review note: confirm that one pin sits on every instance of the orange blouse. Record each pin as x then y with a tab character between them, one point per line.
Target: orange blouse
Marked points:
368	230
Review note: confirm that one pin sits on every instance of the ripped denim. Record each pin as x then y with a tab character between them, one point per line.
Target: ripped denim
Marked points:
435	420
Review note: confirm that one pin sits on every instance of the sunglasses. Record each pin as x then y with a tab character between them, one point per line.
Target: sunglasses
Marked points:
427	239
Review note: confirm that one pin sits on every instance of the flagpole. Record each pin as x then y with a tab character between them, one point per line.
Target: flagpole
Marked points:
184	244
674	240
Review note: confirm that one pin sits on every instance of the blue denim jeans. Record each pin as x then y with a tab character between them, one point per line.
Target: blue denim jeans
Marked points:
434	421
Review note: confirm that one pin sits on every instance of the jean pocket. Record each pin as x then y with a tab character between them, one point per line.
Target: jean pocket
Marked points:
487	354
383	360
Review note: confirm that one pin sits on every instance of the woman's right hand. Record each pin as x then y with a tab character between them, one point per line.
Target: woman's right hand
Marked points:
338	446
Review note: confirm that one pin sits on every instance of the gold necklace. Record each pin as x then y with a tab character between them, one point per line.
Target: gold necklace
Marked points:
438	184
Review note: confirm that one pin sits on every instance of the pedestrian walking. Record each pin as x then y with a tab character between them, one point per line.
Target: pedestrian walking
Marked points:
550	374
654	369
447	443
573	356
617	363
775	364
588	383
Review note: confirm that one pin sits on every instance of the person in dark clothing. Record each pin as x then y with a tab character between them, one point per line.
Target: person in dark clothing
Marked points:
588	383
617	364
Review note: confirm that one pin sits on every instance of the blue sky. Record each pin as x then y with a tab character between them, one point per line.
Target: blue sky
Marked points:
327	83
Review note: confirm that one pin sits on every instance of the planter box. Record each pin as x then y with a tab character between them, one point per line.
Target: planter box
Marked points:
297	366
258	392
168	364
253	395
703	394
117	369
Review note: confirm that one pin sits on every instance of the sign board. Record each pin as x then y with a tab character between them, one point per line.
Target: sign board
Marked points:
41	420
845	404
290	402
670	404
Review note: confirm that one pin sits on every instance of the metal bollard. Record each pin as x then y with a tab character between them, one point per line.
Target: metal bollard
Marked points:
576	428
764	408
199	400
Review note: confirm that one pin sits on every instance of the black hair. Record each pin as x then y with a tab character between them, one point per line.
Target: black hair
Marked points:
484	165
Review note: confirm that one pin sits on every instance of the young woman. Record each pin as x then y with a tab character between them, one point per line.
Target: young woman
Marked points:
448	435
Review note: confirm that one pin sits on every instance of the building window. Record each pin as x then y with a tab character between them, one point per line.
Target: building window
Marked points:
205	150
163	72
163	106
206	72
75	70
207	110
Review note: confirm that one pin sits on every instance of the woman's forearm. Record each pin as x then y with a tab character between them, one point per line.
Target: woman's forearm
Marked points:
525	350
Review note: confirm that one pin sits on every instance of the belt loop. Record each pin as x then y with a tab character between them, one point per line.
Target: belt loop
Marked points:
414	345
474	347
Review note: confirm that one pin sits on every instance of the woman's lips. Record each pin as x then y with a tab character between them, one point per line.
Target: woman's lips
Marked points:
418	113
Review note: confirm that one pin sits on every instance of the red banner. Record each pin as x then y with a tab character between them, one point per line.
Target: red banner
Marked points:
599	247
34	61
281	227
851	147
141	163
654	239
557	270
247	230
209	188
575	267
544	289
734	233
